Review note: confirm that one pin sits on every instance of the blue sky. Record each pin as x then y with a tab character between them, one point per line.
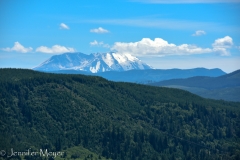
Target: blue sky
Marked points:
164	34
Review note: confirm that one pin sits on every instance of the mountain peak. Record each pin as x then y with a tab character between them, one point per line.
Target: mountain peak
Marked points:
95	62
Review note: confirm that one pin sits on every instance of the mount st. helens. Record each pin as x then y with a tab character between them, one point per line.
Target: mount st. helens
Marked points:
94	63
118	67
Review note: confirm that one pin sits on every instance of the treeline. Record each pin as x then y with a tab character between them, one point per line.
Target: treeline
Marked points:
113	120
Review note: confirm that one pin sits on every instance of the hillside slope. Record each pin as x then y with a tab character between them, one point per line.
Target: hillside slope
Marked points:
113	120
226	87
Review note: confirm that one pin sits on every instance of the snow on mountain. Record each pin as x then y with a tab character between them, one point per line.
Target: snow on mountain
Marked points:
95	63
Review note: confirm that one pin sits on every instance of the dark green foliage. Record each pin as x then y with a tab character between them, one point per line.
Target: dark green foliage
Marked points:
114	120
75	156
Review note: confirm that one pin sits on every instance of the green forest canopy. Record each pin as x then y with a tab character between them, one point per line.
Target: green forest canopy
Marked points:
113	120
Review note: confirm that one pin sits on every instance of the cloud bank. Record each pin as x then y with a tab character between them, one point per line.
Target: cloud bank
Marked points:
144	47
18	48
54	49
161	47
157	47
99	30
64	26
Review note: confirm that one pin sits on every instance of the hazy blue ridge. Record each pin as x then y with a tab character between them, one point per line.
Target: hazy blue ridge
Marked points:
154	75
226	87
149	75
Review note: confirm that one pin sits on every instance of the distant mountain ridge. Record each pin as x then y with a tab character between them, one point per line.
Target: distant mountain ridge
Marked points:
155	75
226	87
117	67
93	63
228	80
149	75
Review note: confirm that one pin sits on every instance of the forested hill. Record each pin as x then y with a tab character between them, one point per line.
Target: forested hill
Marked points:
113	120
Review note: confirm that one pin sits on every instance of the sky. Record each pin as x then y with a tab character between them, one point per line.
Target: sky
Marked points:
162	33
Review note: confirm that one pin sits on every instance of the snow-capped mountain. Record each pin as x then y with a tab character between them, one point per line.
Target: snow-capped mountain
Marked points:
95	63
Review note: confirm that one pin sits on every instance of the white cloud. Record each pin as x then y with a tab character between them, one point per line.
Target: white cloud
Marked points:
96	43
225	42
221	45
99	30
157	47
199	33
185	1
18	48
99	44
54	49
64	26
160	47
